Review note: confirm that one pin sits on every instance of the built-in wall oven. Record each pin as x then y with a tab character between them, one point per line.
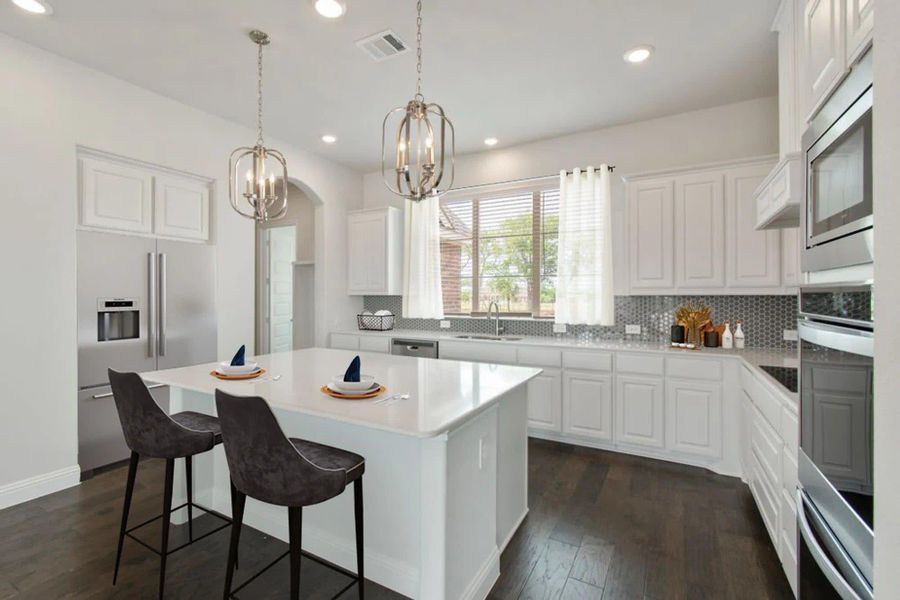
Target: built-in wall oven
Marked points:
837	222
835	495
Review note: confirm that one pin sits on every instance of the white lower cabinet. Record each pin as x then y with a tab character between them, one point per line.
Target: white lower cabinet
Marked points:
639	408
344	341
694	417
545	401
587	405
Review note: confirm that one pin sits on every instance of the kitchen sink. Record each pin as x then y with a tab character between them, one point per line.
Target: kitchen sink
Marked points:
493	338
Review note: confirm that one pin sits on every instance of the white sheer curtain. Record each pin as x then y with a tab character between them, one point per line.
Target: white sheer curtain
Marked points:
584	282
422	296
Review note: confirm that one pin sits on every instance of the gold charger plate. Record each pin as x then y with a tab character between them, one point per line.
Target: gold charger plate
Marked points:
252	375
326	390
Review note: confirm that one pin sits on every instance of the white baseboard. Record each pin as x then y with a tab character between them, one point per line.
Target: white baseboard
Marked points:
513	531
41	485
484	580
384	570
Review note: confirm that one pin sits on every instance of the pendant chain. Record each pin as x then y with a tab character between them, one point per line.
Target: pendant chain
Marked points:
259	95
419	50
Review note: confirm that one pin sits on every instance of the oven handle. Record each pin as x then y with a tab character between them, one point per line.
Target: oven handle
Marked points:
834	576
838	338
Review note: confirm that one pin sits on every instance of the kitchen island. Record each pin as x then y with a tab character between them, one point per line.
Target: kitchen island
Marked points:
446	469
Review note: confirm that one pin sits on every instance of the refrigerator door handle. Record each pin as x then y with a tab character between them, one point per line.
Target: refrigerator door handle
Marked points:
162	303
843	588
151	305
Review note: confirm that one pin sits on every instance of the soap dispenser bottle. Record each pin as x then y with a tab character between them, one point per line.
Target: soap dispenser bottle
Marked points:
727	337
739	336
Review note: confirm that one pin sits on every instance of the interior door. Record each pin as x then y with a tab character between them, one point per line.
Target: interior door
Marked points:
280	251
187	304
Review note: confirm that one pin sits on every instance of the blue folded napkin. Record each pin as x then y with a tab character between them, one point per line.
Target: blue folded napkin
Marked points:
238	360
352	372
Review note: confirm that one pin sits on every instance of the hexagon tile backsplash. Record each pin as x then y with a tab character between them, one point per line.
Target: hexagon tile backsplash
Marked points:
764	317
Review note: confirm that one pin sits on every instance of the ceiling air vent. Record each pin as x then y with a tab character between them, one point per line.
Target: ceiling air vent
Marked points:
382	46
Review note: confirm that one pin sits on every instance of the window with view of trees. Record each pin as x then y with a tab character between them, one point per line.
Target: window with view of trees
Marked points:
502	248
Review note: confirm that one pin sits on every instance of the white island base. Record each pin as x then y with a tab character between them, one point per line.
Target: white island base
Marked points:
439	508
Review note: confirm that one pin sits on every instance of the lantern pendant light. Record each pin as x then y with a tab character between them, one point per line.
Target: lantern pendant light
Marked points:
424	137
264	183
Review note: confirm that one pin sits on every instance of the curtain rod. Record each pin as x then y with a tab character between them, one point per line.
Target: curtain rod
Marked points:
610	168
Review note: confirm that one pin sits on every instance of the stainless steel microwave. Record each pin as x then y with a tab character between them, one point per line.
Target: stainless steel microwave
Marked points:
837	221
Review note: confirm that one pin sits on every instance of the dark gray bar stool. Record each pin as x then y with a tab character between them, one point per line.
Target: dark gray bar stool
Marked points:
150	432
267	465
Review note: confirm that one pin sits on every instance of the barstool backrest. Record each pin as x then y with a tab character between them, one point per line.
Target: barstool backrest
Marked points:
148	430
264	464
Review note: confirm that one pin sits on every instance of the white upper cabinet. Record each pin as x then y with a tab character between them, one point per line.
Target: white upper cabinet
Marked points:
754	257
859	24
699	231
791	273
790	121
651	231
823	52
181	207
122	195
116	196
375	252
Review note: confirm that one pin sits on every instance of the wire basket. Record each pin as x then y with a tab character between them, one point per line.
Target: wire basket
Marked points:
375	322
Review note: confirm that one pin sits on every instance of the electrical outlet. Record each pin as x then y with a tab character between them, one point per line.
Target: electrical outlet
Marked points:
445	324
632	330
790	335
559	328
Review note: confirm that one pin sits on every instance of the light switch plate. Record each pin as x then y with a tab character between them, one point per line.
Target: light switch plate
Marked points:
445	324
632	330
790	335
559	328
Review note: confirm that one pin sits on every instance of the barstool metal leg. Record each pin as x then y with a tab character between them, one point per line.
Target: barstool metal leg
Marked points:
167	513
295	528
237	518
129	490
189	481
358	513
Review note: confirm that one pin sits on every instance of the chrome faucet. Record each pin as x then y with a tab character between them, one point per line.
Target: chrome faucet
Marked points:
492	306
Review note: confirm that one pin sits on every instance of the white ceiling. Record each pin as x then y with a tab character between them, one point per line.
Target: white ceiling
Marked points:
519	70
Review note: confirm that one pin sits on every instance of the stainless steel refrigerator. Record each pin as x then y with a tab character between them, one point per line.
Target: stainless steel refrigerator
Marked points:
143	304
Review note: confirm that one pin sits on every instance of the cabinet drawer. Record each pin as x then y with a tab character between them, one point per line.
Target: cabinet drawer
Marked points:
344	341
539	357
591	361
478	352
789	472
640	364
694	368
766	502
788	528
371	343
762	398
767	449
790	430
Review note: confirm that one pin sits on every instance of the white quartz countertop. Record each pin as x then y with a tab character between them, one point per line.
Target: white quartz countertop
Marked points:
752	357
442	393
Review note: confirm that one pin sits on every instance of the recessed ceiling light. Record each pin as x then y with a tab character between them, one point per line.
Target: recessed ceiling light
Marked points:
329	139
330	9
34	6
638	54
491	141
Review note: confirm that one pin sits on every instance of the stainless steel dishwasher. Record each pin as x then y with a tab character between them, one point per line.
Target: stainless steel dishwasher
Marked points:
420	348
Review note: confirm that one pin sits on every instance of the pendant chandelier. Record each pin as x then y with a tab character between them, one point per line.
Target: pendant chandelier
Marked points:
264	183
423	137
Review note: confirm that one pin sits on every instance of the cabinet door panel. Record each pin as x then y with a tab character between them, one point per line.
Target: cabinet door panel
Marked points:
823	51
699	231
181	208
791	274
115	196
694	418
545	401
754	257
367	256
651	227
344	341
639	411
860	22
587	405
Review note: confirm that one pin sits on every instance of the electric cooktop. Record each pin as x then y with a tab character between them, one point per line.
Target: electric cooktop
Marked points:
786	376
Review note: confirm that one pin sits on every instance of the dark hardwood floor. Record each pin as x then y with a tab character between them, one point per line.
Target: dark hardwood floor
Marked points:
601	526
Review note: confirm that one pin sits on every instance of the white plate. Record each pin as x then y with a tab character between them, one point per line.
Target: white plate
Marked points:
339	385
334	388
226	368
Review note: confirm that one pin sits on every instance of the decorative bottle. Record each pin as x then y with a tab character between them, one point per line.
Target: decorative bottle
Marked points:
727	337
739	336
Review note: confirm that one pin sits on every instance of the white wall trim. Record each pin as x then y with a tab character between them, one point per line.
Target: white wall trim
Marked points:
513	531
24	490
484	580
